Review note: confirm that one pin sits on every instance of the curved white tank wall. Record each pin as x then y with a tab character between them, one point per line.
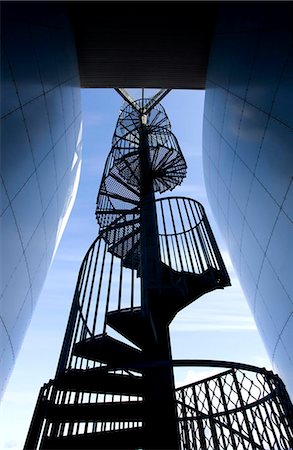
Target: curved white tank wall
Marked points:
248	162
40	158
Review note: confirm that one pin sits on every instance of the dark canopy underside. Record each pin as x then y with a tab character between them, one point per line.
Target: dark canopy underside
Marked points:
150	44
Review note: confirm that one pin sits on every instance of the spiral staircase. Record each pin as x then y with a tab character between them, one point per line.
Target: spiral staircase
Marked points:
114	384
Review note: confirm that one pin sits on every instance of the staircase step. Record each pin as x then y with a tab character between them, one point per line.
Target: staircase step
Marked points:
182	288
132	259
100	380
106	349
130	439
131	324
108	411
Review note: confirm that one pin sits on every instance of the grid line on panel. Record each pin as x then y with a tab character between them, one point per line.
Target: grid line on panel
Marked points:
266	249
278	86
9	339
283	210
21	243
219	207
258	293
13	80
35	170
250	190
215	193
231	175
48	91
10	200
23	252
32	154
280	340
51	134
236	145
253	172
251	104
41	220
44	257
63	113
23	303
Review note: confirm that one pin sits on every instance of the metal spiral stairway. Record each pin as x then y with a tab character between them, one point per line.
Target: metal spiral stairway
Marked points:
114	385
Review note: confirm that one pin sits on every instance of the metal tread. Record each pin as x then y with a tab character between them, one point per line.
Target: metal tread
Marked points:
130	439
106	349
100	380
103	411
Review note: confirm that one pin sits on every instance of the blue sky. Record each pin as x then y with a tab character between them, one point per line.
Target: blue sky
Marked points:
217	326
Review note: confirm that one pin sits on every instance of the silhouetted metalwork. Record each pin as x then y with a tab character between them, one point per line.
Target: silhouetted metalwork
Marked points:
241	408
114	384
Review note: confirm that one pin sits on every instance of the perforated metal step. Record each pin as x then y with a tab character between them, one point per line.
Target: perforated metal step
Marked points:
104	348
108	411
100	379
130	439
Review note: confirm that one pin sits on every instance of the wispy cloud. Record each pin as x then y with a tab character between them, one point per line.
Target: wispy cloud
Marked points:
208	326
193	375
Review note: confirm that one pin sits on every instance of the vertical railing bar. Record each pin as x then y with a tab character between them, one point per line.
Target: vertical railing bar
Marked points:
214	244
201	226
185	423
121	269
203	249
62	402
240	435
85	288
228	418
99	290
260	416
195	238
191	238
80	304
132	271
109	288
76	326
256	428
176	237
165	233
203	243
93	280
174	253
202	438
211	418
272	425
184	252
282	415
209	246
279	417
162	249
193	434
243	409
184	232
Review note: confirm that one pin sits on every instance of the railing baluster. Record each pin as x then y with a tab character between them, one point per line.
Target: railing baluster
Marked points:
175	234
99	289
194	236
165	233
184	232
109	286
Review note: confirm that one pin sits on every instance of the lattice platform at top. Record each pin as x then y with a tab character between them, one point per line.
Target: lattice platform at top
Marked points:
121	182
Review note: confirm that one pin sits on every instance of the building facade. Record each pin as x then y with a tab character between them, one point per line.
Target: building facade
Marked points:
247	136
40	159
248	162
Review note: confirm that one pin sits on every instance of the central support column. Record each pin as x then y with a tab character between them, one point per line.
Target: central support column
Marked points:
161	418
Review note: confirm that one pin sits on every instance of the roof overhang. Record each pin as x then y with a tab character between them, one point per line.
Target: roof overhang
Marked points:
152	44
